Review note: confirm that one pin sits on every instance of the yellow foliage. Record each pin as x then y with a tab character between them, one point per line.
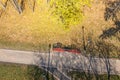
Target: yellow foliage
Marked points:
39	1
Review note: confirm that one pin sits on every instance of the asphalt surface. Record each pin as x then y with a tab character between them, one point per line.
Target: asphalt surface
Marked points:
60	62
30	58
14	56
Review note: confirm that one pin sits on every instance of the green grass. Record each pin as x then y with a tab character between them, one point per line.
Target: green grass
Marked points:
28	72
13	72
85	76
21	72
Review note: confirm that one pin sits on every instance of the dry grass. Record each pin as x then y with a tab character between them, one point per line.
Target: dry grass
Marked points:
29	26
94	22
40	27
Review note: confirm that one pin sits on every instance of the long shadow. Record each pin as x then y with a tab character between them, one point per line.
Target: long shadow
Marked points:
3	7
111	32
19	7
112	11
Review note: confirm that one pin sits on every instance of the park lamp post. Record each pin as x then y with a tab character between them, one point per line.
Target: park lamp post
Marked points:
49	49
84	47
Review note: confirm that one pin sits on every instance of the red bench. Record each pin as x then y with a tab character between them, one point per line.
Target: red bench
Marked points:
74	51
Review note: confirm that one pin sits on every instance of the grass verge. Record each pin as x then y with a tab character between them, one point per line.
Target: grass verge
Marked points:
21	72
86	76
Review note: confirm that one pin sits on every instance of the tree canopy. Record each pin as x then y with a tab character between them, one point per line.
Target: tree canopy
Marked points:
69	12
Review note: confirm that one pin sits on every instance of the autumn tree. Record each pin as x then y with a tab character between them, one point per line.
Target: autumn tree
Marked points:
69	12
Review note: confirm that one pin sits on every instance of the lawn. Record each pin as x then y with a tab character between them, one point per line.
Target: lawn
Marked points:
21	72
75	75
28	72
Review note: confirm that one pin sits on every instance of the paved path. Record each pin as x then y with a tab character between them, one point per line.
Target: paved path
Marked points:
62	62
15	56
31	58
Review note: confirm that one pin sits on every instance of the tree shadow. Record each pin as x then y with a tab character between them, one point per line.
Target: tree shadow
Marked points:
112	12
35	72
2	11
111	32
18	5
